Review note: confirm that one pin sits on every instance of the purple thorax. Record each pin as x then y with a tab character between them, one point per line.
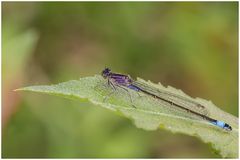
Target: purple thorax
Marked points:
119	79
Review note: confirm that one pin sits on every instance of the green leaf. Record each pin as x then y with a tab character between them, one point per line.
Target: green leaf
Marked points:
149	113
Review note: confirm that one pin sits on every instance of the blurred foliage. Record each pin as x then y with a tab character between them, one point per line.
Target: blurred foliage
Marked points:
191	46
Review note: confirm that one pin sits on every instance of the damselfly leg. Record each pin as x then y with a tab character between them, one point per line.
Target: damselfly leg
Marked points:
114	88
128	94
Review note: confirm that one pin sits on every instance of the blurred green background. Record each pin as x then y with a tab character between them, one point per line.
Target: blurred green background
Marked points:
190	46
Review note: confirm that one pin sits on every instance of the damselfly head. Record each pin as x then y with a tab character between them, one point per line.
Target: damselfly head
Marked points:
106	72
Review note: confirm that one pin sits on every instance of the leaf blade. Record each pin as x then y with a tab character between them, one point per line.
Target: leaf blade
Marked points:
149	115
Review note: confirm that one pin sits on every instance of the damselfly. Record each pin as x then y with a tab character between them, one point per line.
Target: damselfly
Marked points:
121	80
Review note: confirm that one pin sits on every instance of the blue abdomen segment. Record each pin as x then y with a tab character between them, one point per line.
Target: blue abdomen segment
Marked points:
222	124
134	87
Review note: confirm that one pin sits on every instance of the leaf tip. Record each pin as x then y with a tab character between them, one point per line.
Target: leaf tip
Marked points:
19	89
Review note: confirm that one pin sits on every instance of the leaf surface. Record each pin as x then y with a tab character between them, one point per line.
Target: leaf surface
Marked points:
149	113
